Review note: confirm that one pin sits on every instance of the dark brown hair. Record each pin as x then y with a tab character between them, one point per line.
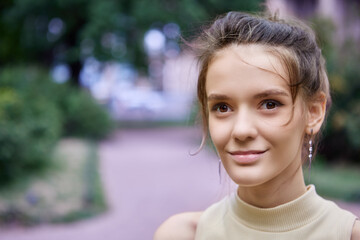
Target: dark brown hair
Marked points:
292	41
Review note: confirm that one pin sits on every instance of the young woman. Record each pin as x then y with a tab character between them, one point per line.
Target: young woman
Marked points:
264	94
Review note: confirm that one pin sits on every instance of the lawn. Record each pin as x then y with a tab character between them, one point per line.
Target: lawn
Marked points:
335	181
69	191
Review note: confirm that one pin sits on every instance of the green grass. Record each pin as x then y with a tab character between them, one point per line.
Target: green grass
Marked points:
71	190
93	197
337	181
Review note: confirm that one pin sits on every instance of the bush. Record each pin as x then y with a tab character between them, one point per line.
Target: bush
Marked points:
342	135
80	114
83	117
34	113
28	130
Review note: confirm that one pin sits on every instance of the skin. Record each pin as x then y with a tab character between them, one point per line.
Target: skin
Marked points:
250	124
178	227
249	113
356	231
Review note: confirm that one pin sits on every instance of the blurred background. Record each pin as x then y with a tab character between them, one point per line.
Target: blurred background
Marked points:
98	113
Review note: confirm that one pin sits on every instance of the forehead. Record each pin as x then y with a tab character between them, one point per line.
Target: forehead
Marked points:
256	56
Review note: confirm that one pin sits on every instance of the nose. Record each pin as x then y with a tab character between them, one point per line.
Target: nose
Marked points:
244	126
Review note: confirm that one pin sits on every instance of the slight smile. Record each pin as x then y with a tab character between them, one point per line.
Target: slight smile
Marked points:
246	157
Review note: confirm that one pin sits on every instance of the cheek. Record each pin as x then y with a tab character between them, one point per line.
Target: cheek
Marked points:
288	133
219	135
286	141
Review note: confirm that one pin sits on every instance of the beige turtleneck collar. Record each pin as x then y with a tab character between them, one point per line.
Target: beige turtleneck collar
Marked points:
286	217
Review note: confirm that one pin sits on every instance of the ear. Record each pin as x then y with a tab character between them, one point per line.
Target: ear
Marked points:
316	113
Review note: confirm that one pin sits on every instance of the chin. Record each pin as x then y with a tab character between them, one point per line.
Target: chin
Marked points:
248	182
247	179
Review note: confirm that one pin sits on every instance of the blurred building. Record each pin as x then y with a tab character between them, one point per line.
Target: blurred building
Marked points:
345	14
133	97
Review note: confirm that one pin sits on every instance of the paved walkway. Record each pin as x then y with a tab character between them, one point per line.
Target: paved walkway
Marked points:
148	175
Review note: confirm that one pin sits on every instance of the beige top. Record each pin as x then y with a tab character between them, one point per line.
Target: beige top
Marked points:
307	217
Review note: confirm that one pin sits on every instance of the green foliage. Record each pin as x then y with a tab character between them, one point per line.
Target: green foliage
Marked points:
107	30
83	117
34	112
71	190
28	130
342	134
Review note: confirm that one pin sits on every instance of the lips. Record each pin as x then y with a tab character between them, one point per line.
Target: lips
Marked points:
246	157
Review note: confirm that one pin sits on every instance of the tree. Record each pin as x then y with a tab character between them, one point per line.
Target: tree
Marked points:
68	31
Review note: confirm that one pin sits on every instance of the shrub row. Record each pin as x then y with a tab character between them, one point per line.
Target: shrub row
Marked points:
341	139
34	113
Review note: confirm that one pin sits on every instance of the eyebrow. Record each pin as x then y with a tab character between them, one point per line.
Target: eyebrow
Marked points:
267	93
217	97
272	92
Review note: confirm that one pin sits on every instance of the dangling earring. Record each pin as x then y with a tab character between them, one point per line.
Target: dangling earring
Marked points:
310	152
310	147
220	170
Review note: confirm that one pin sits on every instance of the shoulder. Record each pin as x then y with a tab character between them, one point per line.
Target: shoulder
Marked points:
178	227
355	235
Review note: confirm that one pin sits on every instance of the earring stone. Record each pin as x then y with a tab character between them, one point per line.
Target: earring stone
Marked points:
310	150
310	147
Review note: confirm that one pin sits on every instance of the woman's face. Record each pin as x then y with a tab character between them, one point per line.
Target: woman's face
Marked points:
250	116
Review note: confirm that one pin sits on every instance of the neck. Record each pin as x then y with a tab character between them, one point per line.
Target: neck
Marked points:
277	191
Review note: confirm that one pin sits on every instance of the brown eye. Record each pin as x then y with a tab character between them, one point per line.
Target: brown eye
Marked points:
223	108
270	105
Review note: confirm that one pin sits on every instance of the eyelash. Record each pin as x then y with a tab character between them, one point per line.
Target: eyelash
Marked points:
218	105
277	103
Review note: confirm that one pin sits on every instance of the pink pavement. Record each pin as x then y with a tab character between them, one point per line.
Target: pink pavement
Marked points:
148	175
